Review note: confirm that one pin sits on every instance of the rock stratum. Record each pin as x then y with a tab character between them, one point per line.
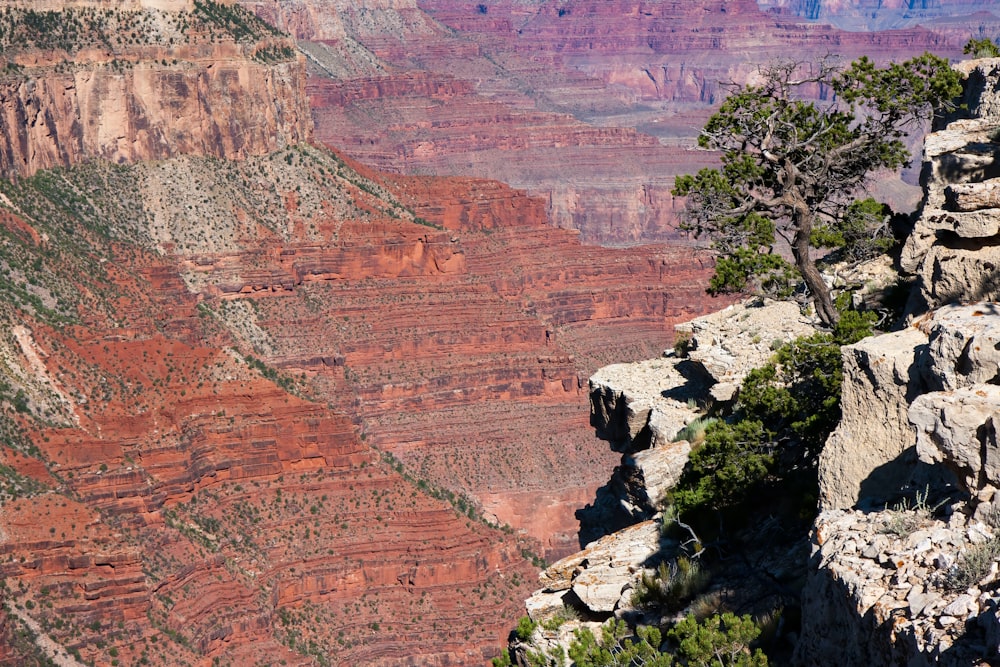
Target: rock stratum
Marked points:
145	83
594	106
261	402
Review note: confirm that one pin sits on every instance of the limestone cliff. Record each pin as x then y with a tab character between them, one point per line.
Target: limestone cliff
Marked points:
154	81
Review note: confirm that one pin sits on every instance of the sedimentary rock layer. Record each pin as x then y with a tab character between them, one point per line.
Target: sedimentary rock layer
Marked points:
594	106
177	84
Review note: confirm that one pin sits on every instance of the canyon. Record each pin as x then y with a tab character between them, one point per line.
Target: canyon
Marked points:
594	106
266	399
265	403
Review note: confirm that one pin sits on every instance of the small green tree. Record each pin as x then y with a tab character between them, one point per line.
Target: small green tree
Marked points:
791	168
981	48
784	413
617	649
719	641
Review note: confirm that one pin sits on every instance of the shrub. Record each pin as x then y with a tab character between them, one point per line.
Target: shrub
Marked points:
981	48
719	641
973	565
784	413
671	585
695	431
617	649
525	628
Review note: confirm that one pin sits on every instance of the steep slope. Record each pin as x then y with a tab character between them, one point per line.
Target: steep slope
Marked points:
193	507
186	341
279	408
127	84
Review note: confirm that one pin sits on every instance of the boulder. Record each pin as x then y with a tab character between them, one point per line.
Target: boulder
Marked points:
958	428
879	379
963	346
600	573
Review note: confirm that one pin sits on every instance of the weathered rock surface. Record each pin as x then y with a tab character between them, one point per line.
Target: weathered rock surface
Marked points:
861	457
181	85
729	343
879	594
872	455
958	429
605	570
640	408
953	246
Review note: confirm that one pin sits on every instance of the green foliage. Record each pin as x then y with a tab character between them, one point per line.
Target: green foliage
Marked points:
981	48
671	585
683	344
733	462
617	649
694	432
502	660
863	231
557	619
240	23
784	413
719	641
525	628
791	169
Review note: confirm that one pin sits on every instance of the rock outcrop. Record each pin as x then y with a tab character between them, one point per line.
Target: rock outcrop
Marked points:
885	590
953	248
182	82
911	579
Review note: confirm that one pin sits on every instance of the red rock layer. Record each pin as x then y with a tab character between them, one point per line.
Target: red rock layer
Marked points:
205	493
458	348
196	511
549	97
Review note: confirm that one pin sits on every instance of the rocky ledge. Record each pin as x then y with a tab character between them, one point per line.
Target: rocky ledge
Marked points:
905	551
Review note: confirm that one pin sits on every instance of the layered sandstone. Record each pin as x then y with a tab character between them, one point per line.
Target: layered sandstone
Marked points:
204	402
178	84
594	106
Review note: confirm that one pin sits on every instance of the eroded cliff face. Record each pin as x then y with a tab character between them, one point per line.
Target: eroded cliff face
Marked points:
278	389
145	83
594	106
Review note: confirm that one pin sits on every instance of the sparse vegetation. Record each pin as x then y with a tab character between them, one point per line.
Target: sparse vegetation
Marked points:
981	48
973	565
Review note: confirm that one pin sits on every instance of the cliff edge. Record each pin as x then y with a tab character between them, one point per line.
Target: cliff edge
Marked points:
903	557
144	80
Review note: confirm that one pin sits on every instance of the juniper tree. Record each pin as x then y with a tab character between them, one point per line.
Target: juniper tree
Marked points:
793	168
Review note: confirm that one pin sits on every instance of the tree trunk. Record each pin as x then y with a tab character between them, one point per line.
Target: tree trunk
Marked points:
814	281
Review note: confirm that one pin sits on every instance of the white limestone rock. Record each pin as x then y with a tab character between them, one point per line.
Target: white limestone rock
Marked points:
963	346
873	430
600	573
958	428
627	399
731	342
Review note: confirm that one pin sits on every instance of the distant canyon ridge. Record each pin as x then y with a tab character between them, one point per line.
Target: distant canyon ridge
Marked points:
594	106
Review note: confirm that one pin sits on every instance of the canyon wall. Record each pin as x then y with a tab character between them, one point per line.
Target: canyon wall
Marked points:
593	106
285	388
903	556
179	86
